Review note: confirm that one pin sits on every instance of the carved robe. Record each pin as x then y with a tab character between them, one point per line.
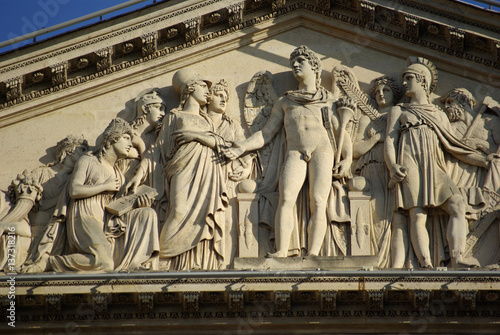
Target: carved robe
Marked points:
373	168
192	235
425	134
97	240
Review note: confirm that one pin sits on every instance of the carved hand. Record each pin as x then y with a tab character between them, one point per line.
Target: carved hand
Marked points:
112	184
341	170
144	201
398	174
132	185
233	152
186	137
237	173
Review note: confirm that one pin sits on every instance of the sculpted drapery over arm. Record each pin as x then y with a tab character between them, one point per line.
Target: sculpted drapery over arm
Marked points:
417	134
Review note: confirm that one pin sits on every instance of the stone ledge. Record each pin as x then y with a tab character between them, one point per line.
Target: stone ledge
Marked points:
305	263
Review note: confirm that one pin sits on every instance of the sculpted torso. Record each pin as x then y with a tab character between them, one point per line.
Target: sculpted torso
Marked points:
304	128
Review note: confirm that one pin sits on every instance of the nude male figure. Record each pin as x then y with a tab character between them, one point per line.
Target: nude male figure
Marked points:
310	151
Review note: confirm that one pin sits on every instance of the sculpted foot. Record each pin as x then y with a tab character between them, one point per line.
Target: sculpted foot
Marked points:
464	262
41	266
276	254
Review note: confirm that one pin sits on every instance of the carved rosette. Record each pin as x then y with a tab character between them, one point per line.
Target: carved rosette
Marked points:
146	302
149	43
282	301
277	5
104	58
191	302
236	302
100	302
367	11
38	77
127	47
421	299
328	300
214	18
14	88
82	63
411	25
53	304
375	300
235	14
456	39
497	51
192	29
59	73
468	300
172	32
323	4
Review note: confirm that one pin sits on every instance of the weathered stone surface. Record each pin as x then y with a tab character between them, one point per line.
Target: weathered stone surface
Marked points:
314	133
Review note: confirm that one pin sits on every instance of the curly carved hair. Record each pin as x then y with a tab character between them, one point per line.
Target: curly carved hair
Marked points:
396	91
220	86
112	134
67	147
461	95
311	57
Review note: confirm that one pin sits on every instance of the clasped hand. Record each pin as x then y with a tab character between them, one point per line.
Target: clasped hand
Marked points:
234	151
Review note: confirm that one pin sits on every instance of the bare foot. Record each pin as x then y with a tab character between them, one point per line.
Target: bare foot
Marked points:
275	255
464	262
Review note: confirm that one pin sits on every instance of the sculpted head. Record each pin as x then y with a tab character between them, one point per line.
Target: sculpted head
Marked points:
303	60
189	84
69	150
385	91
457	102
419	77
219	95
150	108
118	131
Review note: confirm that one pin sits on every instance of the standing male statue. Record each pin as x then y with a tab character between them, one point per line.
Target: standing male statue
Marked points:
310	153
418	132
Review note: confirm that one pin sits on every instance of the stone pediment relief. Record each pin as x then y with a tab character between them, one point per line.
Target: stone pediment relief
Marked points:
247	151
305	160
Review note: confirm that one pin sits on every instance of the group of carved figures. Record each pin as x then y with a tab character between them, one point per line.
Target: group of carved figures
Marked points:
432	175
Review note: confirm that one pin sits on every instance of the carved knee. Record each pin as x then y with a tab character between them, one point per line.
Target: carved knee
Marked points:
456	206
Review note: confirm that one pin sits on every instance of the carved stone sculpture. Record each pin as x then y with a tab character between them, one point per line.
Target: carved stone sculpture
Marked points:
418	133
150	110
388	229
35	195
311	151
96	240
192	235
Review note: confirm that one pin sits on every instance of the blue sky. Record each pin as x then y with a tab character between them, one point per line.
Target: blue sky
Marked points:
19	17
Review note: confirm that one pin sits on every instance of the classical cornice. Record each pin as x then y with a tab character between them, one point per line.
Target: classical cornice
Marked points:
170	32
460	299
